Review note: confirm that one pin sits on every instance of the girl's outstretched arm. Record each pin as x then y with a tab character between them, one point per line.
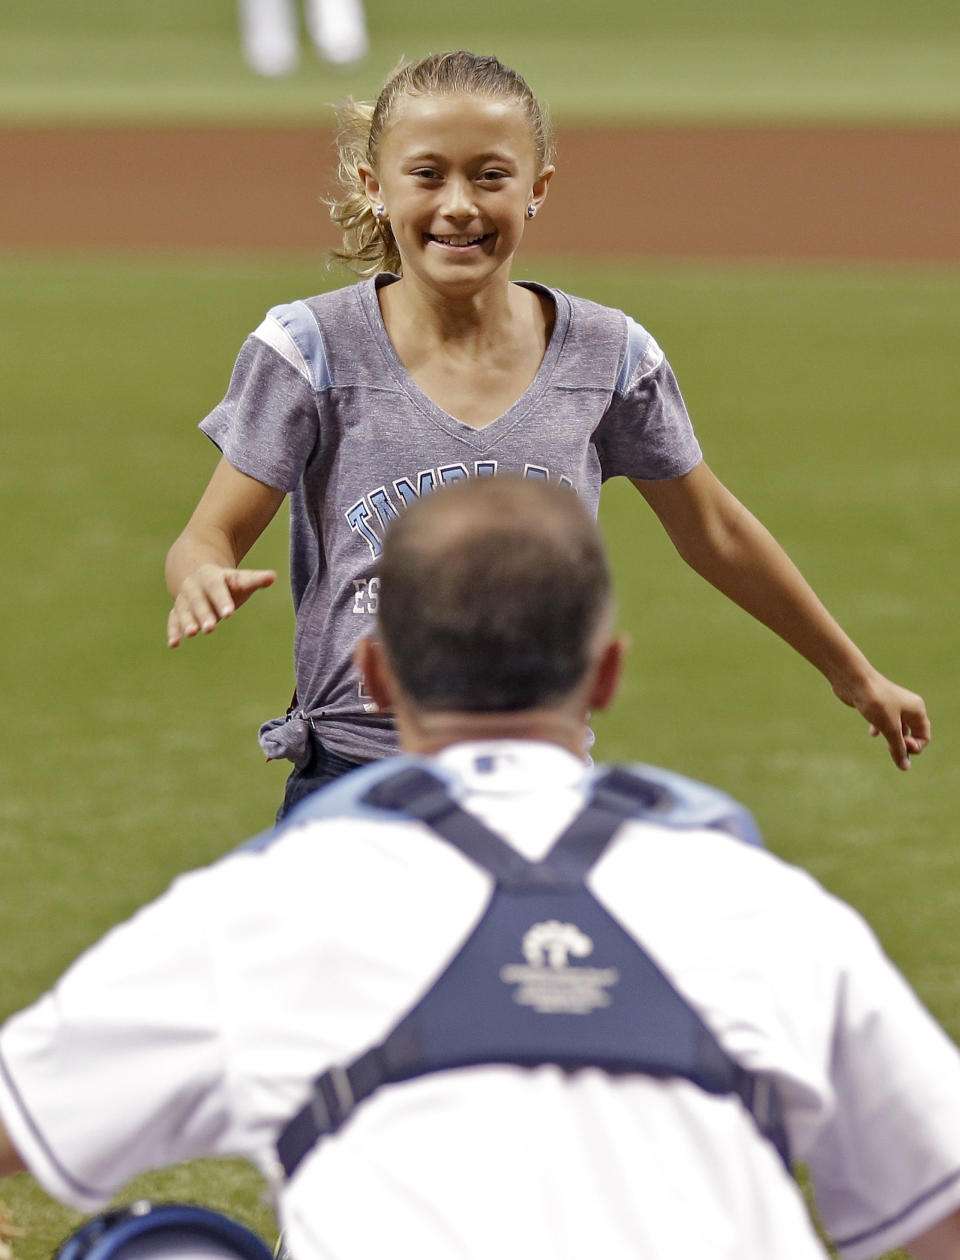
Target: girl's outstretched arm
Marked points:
201	569
727	545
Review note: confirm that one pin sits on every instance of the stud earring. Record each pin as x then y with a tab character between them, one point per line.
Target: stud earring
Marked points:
380	211
531	210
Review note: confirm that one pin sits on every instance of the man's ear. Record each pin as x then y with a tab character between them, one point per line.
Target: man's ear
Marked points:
370	660
607	673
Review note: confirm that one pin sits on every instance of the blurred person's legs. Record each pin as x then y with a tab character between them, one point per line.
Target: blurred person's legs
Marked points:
269	30
338	29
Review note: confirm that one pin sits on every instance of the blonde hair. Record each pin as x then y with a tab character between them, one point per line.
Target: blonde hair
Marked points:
368	242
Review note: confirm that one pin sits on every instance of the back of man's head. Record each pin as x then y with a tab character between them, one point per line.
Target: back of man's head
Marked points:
492	593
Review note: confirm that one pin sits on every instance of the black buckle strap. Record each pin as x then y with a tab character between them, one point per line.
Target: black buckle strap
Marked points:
335	1096
333	1099
759	1096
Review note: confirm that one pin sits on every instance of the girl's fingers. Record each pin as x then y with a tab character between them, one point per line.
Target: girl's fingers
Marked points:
211	595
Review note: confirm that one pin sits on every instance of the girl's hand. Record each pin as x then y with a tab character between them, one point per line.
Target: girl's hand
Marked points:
209	595
900	716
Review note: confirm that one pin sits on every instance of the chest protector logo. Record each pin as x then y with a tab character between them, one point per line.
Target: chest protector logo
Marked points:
548	982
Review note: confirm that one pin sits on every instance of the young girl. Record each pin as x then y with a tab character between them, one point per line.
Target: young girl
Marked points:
437	367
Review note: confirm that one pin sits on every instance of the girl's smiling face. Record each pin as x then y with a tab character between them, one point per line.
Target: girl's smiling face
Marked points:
456	175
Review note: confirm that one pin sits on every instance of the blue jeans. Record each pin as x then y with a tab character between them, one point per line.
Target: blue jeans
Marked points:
323	767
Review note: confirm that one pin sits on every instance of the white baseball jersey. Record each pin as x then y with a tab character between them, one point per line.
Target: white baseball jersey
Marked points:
196	1029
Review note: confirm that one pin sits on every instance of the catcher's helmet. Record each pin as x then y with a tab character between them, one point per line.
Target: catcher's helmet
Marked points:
163	1231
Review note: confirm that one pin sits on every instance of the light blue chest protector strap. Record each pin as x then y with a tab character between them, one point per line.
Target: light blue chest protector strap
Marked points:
547	976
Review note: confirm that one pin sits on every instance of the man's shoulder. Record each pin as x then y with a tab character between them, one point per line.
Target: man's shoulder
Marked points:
674	800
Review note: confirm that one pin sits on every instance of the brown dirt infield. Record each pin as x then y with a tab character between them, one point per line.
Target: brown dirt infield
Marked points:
831	193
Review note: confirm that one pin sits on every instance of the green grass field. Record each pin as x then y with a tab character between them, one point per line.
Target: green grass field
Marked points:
824	398
619	59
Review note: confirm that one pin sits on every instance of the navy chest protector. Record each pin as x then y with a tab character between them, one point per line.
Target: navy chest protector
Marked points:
547	976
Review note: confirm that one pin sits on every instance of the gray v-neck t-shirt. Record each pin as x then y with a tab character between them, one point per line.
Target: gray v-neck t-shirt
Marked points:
320	406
